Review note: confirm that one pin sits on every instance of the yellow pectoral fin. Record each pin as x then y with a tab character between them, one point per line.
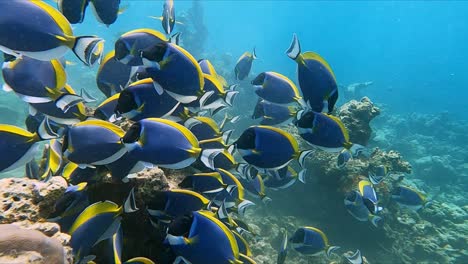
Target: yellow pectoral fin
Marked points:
141	108
156	17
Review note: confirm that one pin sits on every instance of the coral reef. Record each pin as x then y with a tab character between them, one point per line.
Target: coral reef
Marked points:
26	203
26	199
356	115
436	233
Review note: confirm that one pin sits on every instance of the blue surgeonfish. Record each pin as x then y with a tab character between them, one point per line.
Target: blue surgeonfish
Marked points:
115	244
163	143
272	114
410	198
269	147
106	11
232	197
48	36
175	70
354	258
206	128
316	78
69	206
201	238
276	88
140	100
168	19
369	196
36	81
209	69
75	112
73	10
219	159
112	76
326	132
165	206
283	249
128	46
378	174
106	109
206	183
49	165
283	178
19	146
93	142
244	64
311	241
255	187
215	97
354	204
98	222
124	166
76	175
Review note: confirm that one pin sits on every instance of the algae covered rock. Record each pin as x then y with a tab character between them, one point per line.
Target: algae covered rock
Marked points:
356	116
21	246
27	199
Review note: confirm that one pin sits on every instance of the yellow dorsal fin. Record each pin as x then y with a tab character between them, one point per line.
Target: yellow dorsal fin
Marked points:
101	123
342	127
309	55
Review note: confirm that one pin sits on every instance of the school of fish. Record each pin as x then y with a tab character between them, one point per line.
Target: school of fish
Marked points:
170	100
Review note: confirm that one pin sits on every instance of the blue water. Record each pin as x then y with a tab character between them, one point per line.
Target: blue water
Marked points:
414	52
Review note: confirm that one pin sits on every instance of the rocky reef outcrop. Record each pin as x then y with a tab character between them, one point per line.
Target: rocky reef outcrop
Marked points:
25	237
356	115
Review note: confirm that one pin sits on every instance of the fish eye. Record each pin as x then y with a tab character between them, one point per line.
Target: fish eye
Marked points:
125	103
305	119
298	236
133	134
155	52
121	50
259	79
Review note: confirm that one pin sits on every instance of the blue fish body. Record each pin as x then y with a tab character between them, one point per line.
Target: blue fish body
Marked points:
162	142
267	147
93	142
208	241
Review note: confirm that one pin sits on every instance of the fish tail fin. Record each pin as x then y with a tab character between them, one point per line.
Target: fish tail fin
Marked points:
233	87
231	149
175	39
227	135
216	109
160	18
376	220
283	250
130	203
230	96
88	49
32	170
357	149
254	54
355	258
303	155
67	101
266	199
53	160
46	131
294	50
242	206
330	250
204	98
87	97
208	156
302	175
343	158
